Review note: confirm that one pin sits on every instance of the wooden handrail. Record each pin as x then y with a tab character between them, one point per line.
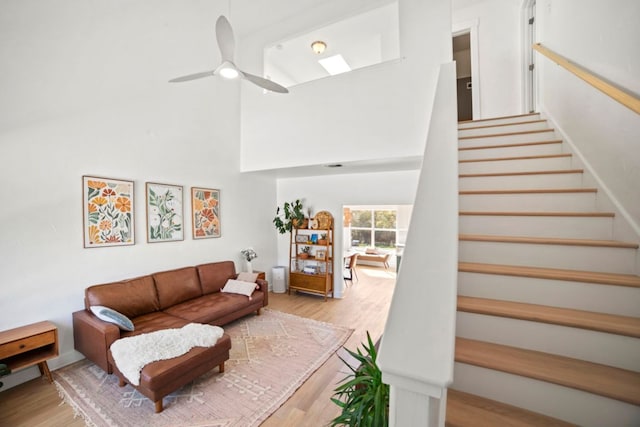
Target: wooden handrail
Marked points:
626	99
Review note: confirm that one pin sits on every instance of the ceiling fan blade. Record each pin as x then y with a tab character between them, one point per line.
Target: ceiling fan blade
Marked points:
226	41
192	77
265	84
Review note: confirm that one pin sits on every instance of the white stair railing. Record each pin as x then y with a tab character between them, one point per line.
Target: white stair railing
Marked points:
417	348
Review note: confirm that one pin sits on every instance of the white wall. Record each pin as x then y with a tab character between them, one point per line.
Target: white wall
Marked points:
499	56
602	37
379	112
331	193
84	91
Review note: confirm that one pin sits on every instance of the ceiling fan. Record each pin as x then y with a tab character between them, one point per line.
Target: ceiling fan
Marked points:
227	69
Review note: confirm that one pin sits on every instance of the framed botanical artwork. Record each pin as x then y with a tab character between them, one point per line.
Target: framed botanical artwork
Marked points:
164	212
205	209
108	212
321	254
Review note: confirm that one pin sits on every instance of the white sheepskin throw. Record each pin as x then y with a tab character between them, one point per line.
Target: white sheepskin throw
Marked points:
131	354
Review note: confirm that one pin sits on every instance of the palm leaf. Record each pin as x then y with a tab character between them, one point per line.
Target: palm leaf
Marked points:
362	396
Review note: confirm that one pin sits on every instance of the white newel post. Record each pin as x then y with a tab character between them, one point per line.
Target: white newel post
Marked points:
417	348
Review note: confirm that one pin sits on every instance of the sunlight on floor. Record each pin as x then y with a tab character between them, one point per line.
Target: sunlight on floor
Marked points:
377	272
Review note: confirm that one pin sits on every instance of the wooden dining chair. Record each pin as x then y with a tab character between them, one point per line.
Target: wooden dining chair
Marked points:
351	268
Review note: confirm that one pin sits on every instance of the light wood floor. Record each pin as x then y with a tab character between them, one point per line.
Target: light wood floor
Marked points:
363	308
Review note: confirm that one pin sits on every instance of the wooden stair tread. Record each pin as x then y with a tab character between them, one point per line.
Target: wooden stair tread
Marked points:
615	279
498	159
469	410
602	322
504	124
548	241
498	118
529	191
549	172
524	132
529	213
615	383
518	144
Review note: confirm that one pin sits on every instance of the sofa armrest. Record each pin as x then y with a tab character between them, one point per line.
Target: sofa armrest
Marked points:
93	337
264	287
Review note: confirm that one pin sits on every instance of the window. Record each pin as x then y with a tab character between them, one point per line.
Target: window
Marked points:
374	228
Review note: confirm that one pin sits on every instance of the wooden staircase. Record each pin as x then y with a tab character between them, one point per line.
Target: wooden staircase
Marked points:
548	327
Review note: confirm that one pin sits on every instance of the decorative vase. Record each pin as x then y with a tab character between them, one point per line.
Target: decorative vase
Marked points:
248	266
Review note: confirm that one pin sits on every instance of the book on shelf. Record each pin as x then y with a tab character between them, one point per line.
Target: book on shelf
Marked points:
310	269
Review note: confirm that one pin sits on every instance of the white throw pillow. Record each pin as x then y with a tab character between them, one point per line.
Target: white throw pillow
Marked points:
247	277
239	287
110	315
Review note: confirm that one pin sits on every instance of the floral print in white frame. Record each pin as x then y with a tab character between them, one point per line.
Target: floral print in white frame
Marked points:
205	209
108	216
165	219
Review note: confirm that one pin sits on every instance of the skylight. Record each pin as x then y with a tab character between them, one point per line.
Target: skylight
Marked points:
335	64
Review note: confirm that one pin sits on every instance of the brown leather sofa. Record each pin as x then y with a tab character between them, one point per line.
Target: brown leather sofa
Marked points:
168	299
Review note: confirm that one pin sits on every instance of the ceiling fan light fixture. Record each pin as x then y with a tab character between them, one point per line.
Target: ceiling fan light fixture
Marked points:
227	69
229	72
318	46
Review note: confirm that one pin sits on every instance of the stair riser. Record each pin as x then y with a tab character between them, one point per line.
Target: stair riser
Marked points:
504	129
609	260
596	347
571	405
527	150
621	300
500	139
543	226
528	182
528	165
517	119
543	202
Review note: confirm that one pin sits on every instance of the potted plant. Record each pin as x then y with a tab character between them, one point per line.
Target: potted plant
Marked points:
362	396
289	216
323	239
304	252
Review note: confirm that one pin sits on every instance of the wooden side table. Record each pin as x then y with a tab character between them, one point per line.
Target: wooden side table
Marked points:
30	345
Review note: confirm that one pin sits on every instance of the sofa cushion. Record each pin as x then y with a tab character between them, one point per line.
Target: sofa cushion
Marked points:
132	298
176	286
151	322
213	307
214	275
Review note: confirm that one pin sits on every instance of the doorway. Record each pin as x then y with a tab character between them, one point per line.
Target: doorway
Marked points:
379	230
462	56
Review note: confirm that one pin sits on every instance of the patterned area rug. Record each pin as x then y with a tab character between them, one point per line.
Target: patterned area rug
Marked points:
271	356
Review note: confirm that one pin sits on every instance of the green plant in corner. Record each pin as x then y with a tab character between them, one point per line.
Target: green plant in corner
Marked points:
362	396
289	214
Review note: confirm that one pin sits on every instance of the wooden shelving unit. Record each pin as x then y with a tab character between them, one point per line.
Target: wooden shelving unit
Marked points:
313	274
